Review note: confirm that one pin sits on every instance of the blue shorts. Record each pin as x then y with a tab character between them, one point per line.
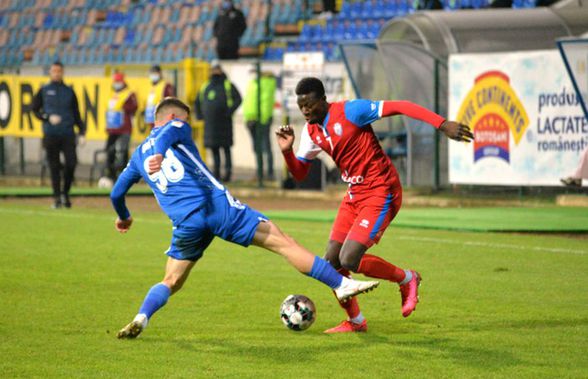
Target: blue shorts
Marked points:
224	217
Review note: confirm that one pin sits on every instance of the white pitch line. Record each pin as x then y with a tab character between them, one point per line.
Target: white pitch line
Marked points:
494	245
64	213
471	243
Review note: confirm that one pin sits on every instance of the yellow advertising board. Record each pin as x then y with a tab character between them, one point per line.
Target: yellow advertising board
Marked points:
18	120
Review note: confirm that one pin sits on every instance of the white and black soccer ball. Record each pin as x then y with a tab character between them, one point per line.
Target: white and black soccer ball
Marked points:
105	182
297	312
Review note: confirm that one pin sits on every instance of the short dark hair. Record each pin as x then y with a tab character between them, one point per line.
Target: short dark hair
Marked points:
155	68
57	63
310	85
171	102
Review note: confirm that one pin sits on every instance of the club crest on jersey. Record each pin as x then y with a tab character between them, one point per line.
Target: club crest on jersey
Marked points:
338	129
318	139
364	223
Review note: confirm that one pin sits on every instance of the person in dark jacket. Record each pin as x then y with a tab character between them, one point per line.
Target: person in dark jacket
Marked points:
216	102
119	125
57	106
229	26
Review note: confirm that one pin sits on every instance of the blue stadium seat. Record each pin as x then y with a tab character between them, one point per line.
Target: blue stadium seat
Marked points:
306	33
451	5
211	54
350	31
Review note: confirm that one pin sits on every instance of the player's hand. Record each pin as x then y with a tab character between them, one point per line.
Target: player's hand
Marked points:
54	119
457	131
285	136
81	140
155	163
123	226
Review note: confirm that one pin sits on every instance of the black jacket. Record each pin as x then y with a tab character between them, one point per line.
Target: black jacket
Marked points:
57	98
229	26
215	104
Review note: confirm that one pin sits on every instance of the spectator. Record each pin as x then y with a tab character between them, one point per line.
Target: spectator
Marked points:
259	127
119	123
159	90
57	106
229	26
581	172
215	104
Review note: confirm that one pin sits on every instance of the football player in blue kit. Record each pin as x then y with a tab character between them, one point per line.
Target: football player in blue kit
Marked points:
201	208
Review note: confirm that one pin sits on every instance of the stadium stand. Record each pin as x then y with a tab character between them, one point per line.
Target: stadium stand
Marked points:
113	31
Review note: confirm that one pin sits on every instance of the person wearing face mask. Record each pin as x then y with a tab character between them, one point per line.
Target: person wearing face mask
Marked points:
56	105
216	102
119	124
228	28
160	89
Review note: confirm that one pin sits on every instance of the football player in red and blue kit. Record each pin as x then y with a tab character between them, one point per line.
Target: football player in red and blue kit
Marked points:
343	130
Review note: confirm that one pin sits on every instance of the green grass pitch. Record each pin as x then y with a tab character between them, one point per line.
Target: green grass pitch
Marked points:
492	305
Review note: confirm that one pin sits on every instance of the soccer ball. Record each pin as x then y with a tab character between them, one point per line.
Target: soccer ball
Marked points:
105	182
297	312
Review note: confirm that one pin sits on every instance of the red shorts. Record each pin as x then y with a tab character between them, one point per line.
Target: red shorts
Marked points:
366	220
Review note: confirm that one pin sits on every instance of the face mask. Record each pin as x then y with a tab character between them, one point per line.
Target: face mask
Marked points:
118	86
154	78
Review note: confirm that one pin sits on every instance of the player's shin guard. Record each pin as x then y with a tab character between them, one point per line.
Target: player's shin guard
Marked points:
351	306
376	267
155	299
324	272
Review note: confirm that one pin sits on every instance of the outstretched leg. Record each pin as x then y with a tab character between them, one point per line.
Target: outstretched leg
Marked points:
176	273
270	237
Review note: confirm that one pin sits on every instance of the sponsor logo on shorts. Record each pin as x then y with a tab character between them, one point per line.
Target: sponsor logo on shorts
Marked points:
364	223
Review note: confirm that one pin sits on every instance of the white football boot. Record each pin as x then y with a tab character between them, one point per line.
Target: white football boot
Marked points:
352	287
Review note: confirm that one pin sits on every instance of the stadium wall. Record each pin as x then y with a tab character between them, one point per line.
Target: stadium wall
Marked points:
85	77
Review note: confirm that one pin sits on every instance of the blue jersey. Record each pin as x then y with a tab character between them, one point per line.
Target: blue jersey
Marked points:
182	186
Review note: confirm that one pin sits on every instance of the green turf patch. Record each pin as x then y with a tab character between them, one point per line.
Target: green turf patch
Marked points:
492	305
76	191
548	219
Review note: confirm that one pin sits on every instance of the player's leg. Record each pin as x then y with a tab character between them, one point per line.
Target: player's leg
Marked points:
71	160
237	223
111	156
270	237
355	321
176	273
187	246
228	164
122	153
51	144
216	161
373	219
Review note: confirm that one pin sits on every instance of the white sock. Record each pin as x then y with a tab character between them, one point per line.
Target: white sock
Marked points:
408	277
142	319
357	319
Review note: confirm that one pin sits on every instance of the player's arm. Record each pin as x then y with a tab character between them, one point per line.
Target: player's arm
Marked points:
174	132
125	181
364	112
451	129
298	167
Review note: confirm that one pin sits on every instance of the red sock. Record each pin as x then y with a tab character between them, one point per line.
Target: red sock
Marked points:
376	267
351	306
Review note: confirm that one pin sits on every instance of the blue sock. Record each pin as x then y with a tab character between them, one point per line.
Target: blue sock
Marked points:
155	299
323	271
